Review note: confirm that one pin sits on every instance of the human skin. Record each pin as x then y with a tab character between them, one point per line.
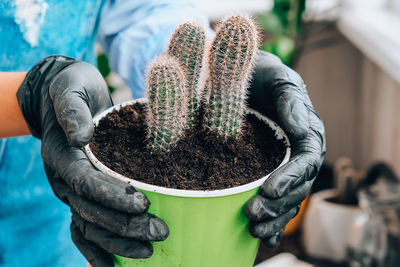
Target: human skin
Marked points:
12	122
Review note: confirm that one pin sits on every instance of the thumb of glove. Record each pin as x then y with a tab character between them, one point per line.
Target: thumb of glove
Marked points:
78	93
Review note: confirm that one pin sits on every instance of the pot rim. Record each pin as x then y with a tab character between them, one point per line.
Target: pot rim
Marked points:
279	133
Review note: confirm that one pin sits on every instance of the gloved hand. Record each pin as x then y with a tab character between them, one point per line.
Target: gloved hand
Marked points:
58	98
279	92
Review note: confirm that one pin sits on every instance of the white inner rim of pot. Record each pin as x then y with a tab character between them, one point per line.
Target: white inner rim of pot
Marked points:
179	192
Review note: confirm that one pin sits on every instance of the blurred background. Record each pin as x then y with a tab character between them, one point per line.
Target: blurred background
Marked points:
347	52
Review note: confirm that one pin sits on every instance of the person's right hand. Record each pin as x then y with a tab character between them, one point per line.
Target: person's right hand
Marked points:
58	98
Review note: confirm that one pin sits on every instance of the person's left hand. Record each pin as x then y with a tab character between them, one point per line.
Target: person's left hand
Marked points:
279	92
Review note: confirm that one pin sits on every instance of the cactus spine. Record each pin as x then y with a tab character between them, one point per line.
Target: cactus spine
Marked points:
187	46
231	58
167	103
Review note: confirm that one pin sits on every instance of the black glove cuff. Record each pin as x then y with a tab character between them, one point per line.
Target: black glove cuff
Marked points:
37	79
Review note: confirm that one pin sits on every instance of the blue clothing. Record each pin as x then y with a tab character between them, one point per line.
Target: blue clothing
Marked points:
140	31
34	224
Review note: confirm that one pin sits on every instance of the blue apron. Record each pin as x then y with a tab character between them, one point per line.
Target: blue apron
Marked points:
34	224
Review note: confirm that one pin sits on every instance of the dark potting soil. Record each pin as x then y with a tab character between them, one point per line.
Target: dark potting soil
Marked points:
202	160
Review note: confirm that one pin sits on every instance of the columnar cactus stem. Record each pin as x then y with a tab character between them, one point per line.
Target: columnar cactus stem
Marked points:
231	59
187	45
167	103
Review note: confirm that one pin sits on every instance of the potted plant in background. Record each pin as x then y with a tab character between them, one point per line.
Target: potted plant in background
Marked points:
191	144
331	213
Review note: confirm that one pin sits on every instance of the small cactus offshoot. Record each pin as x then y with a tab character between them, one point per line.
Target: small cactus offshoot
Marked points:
167	103
231	58
187	46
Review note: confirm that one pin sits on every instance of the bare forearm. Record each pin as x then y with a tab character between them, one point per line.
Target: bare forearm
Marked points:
12	122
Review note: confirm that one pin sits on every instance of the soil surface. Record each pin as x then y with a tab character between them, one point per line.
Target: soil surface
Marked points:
201	160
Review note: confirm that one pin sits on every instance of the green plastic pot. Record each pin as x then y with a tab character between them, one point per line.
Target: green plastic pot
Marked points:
207	228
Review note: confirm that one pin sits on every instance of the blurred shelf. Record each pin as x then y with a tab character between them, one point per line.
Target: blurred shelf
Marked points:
376	32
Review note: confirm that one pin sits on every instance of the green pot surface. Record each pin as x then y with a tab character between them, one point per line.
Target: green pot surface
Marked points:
204	232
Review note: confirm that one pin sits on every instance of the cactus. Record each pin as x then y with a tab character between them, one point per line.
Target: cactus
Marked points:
231	59
167	103
173	81
187	45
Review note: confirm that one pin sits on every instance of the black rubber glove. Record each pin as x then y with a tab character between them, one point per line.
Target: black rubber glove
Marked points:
279	92
58	98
